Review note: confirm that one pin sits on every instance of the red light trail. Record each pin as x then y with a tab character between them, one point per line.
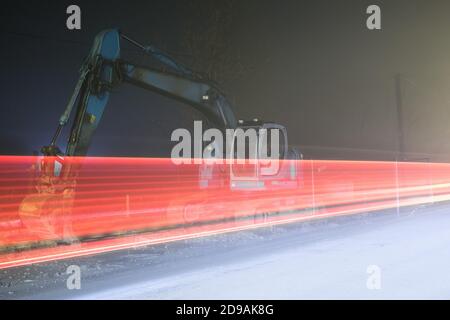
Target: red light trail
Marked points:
108	204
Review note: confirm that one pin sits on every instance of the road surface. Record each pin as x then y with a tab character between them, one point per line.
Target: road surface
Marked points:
329	259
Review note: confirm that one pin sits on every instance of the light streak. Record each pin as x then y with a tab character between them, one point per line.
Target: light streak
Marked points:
108	204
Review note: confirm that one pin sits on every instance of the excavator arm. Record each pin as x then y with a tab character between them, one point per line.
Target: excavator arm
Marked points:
104	70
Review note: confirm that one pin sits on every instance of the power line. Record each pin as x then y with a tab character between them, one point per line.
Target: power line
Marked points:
83	43
42	37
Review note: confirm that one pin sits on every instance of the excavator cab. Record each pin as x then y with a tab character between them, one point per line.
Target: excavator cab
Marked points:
266	157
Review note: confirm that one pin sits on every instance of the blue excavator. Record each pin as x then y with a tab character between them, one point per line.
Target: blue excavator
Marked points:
104	70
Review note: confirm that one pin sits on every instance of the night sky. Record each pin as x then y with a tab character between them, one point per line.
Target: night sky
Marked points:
310	65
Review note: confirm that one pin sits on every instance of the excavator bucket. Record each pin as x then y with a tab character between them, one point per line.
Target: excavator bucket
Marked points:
46	211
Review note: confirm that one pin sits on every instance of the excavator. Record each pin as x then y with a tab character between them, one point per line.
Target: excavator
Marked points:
105	70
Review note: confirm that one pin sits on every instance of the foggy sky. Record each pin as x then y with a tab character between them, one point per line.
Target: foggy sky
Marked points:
314	67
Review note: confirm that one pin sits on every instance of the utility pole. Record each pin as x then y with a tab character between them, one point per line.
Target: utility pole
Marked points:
399	105
400	135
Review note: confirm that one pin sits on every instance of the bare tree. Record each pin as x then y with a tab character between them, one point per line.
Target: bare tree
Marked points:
208	38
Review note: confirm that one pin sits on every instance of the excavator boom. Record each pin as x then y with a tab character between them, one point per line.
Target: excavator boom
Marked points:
103	70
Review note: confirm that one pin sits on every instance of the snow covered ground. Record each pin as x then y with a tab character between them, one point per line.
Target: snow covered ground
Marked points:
410	254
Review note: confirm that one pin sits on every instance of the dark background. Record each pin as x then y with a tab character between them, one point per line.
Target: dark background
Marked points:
310	65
